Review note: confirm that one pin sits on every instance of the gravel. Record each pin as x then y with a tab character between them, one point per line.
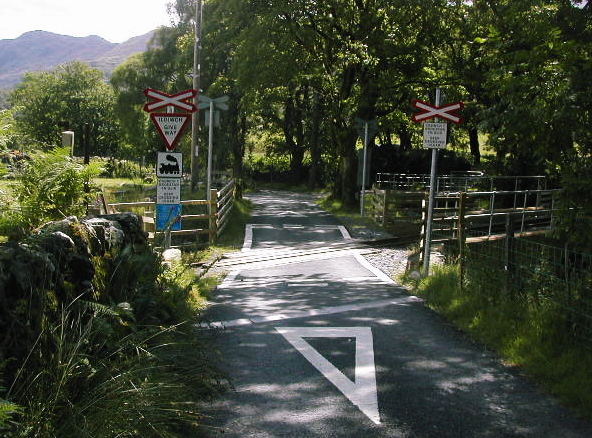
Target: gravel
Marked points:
394	261
391	261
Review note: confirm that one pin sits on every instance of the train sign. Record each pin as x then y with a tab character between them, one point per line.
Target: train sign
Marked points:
169	165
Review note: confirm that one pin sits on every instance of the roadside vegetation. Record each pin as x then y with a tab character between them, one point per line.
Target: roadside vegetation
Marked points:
125	361
532	335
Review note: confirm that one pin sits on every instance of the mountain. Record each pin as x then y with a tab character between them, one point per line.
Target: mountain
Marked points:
39	50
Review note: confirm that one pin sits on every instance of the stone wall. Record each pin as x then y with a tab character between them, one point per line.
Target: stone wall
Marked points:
57	265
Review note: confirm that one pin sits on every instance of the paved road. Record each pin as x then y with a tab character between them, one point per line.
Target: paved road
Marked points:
319	344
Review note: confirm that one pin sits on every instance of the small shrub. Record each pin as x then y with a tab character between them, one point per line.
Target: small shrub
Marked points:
50	186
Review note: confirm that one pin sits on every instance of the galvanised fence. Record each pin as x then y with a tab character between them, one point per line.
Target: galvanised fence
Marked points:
536	274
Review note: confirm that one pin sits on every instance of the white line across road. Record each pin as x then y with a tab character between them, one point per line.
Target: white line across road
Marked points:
331	310
248	242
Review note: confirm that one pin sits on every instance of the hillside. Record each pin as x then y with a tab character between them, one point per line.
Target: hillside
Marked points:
39	50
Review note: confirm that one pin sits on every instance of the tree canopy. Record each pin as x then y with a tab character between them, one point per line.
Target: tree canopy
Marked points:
300	75
47	103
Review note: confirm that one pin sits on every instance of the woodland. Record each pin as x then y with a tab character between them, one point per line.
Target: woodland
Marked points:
300	74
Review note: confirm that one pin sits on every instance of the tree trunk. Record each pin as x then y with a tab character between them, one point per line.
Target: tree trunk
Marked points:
315	150
474	143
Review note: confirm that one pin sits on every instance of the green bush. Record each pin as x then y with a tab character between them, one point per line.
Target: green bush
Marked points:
99	363
114	168
49	187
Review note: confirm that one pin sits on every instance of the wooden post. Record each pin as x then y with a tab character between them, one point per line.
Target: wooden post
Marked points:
461	237
508	252
213	207
385	207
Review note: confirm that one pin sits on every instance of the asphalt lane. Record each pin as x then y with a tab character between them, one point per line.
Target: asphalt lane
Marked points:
318	343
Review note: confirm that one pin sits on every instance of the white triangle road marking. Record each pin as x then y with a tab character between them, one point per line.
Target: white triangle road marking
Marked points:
362	392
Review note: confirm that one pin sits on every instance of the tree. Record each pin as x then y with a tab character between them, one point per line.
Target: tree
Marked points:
73	94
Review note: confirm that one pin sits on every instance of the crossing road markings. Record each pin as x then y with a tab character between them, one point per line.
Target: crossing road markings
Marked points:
333	310
248	242
362	392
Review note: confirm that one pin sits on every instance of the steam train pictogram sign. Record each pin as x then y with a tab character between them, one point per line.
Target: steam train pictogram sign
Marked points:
169	165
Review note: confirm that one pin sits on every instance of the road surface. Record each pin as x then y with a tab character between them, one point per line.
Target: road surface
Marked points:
318	343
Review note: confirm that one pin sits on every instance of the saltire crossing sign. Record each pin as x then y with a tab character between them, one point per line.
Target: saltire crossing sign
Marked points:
431	111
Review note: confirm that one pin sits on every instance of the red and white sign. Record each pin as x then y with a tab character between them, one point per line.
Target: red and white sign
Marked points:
160	99
430	111
170	126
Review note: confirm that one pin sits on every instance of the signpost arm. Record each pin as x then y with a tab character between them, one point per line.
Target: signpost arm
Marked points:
432	195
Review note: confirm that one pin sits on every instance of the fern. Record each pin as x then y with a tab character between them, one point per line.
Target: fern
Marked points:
7	410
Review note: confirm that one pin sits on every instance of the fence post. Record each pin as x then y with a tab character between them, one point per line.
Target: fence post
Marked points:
385	207
509	252
213	212
461	237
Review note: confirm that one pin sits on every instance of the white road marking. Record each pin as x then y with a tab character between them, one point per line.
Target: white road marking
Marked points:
248	242
362	392
401	301
366	264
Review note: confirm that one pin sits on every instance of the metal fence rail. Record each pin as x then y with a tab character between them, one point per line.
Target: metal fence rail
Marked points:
461	182
475	214
536	273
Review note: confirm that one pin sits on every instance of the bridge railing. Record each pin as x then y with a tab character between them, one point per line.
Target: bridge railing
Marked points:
459	182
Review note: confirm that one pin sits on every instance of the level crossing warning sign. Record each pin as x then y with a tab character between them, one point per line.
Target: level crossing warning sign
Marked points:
431	111
170	126
161	99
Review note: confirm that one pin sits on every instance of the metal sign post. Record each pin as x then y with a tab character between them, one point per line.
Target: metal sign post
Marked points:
366	129
219	104
363	197
435	139
428	238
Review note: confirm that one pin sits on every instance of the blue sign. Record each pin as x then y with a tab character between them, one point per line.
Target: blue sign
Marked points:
168	217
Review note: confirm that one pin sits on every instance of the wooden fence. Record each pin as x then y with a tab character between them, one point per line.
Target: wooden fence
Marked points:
216	213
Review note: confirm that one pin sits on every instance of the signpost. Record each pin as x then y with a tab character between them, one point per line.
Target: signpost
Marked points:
169	165
219	104
434	138
366	130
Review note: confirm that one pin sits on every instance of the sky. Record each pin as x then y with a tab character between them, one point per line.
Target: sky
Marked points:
114	20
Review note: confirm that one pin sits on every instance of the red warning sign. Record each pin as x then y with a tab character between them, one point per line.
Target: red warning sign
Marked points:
161	99
170	126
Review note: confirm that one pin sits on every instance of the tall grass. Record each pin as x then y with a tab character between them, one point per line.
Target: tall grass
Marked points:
124	362
93	384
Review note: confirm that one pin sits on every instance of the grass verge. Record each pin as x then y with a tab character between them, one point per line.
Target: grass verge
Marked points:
525	335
